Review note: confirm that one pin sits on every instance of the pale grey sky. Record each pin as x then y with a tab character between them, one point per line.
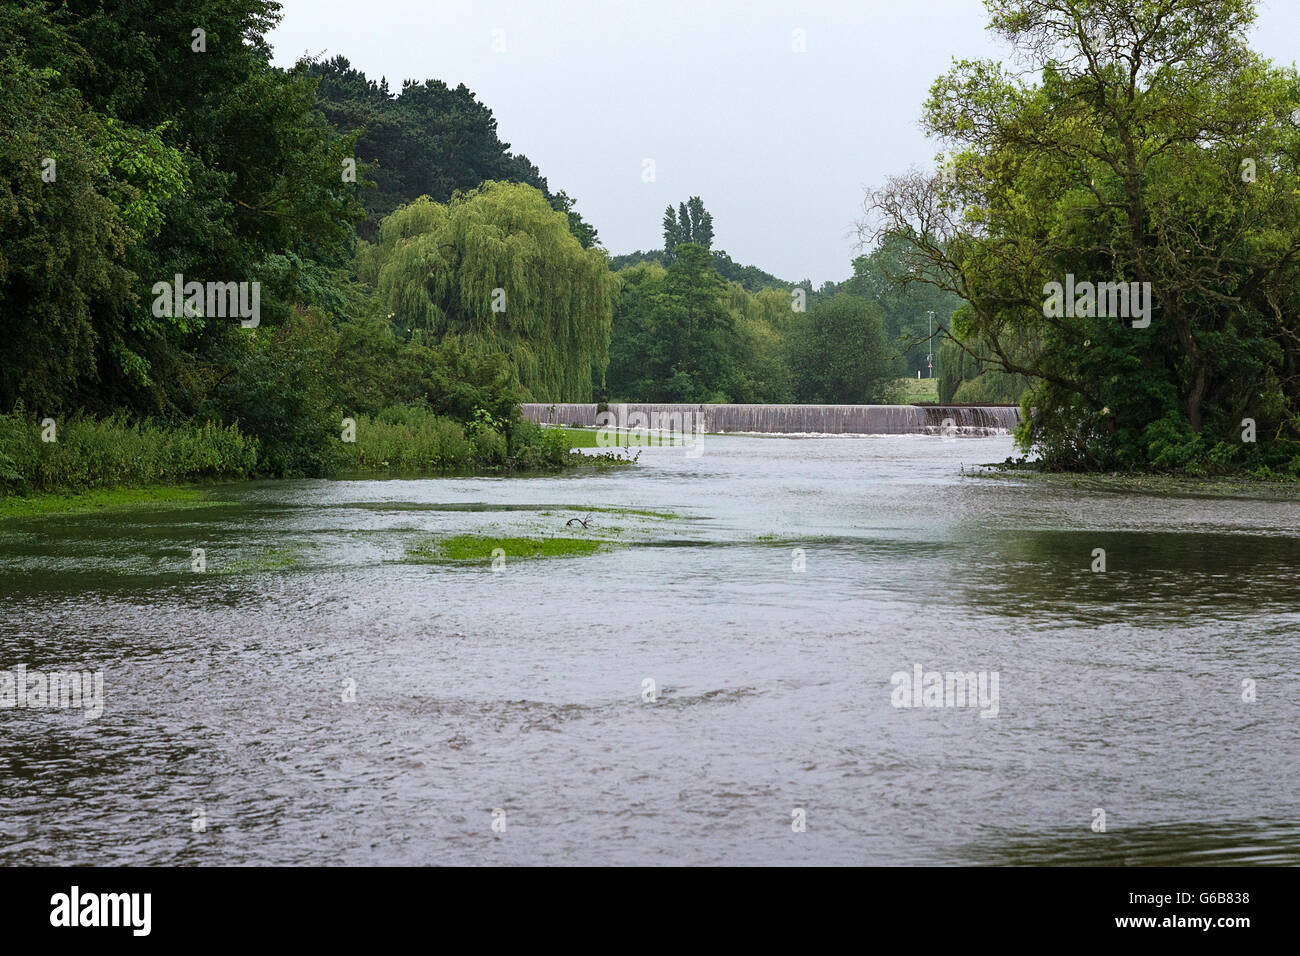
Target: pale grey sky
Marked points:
779	144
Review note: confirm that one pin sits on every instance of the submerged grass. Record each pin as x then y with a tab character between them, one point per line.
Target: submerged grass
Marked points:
102	499
267	559
605	510
471	547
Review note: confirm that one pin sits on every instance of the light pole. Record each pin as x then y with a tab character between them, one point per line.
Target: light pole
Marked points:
930	342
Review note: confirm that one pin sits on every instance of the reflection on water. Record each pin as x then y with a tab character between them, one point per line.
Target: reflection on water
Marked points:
1260	843
524	689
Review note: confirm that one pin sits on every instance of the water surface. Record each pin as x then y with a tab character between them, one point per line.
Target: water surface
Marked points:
521	689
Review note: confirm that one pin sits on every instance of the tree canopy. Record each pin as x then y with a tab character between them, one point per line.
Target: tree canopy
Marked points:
427	139
498	269
129	155
1155	148
690	223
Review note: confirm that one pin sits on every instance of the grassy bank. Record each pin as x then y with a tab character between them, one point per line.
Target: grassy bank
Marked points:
910	390
54	465
619	438
82	454
1243	485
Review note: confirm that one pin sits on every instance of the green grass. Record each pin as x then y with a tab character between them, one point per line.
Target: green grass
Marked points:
103	499
470	547
917	390
586	438
622	438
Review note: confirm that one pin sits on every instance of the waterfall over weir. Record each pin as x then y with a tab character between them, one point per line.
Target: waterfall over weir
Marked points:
787	419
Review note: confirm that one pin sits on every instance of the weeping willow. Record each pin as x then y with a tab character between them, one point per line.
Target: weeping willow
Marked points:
498	269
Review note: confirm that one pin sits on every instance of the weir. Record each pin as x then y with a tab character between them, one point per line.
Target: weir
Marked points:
792	419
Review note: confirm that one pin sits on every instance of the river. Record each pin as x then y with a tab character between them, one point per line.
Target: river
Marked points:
315	695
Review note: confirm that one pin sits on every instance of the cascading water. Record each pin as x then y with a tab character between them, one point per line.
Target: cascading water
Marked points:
789	419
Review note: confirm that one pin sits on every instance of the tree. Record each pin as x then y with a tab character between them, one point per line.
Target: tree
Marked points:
675	338
213	165
701	231
906	304
690	223
673	235
693	320
582	230
1125	163
497	269
426	140
840	354
62	240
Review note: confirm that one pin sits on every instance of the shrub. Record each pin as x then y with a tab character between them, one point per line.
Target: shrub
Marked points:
97	453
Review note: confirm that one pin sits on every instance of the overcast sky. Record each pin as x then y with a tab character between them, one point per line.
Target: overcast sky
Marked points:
779	144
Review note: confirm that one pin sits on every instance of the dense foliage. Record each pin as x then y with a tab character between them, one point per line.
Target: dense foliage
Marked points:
127	156
693	326
142	141
1154	148
426	140
498	270
840	353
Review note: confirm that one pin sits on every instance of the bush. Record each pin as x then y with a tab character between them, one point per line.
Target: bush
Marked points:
97	453
413	439
406	439
489	448
533	447
281	393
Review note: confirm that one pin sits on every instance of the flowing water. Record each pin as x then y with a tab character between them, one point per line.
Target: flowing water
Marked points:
804	420
226	739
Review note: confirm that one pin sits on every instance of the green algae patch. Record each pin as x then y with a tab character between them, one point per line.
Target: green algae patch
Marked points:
103	499
470	547
263	560
580	511
638	512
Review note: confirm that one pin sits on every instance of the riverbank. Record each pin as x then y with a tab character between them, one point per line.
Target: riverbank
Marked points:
1244	485
84	463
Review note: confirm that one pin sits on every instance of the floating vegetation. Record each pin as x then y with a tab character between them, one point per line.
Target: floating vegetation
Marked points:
471	547
104	499
266	559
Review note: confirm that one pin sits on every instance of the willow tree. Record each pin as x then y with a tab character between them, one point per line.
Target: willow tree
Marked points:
498	269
